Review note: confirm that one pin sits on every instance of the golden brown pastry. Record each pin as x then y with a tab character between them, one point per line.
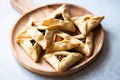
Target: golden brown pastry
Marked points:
38	36
59	19
32	23
62	60
25	40
87	46
58	24
49	36
87	23
61	13
79	36
31	47
25	31
62	41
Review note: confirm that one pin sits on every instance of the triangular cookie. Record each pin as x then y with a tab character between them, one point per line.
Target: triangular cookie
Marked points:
87	46
59	19
87	23
26	41
62	41
61	13
32	23
31	47
62	60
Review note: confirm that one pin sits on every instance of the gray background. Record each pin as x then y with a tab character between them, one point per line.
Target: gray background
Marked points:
105	67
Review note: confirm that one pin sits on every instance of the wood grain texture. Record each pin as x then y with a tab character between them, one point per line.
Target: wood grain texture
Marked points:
43	67
22	6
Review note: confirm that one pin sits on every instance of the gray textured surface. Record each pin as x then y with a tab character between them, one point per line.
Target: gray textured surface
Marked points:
105	67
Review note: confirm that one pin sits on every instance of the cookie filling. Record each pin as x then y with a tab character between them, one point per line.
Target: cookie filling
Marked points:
42	31
60	57
59	17
58	38
33	42
33	24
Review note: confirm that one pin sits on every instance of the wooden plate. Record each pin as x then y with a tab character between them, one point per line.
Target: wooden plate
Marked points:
43	67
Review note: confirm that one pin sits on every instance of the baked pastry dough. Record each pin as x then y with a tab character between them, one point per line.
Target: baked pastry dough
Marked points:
79	36
32	23
38	36
25	31
58	24
25	40
86	47
66	42
61	13
31	47
62	60
87	23
49	35
59	19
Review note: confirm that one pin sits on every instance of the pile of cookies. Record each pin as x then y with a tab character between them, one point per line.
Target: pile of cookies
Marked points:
63	40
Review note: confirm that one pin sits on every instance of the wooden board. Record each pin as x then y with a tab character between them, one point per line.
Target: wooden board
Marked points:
43	67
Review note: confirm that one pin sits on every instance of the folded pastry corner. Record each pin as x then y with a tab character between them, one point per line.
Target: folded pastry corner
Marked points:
63	41
38	36
24	33
58	24
31	22
62	60
87	23
32	48
79	36
61	13
86	47
49	37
